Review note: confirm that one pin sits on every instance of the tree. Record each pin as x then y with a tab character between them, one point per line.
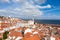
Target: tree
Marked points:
5	35
1	16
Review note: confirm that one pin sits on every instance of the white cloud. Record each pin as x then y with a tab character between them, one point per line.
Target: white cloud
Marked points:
16	1
5	1
40	1
31	1
26	9
47	6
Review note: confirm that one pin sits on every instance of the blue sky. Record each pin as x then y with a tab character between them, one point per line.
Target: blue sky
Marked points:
28	9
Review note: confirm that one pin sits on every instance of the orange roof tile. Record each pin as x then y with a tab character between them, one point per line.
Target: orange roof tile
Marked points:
14	33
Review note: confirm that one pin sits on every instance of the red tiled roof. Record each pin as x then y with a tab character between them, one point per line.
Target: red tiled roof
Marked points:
0	35
14	33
